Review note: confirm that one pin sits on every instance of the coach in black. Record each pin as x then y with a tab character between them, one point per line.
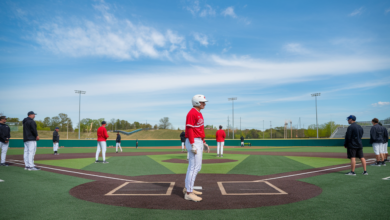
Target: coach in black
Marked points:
5	135
183	140
354	145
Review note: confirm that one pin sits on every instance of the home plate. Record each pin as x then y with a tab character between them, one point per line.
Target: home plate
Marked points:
198	187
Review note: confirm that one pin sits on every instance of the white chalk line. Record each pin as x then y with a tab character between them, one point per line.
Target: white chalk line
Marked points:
386	178
317	171
87	174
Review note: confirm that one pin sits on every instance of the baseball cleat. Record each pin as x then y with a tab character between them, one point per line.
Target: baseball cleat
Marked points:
365	173
192	197
217	155
3	164
117	152
376	164
97	161
37	168
221	155
105	162
193	191
26	168
383	163
350	173
33	169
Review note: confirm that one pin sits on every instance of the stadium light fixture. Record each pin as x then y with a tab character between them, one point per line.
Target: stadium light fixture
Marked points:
315	95
79	92
232	99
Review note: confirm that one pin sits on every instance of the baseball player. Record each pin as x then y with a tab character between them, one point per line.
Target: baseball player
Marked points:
118	142
101	144
56	140
376	139
5	135
220	136
385	143
242	141
30	138
353	143
195	143
183	140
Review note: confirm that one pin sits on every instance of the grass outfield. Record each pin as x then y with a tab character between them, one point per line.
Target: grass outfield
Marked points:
18	151
45	195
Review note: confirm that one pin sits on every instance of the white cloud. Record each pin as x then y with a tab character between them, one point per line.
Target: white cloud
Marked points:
380	104
295	48
109	37
207	11
201	38
229	11
387	10
194	7
357	12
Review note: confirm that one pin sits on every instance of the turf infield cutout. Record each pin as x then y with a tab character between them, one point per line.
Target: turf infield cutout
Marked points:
143	189
236	188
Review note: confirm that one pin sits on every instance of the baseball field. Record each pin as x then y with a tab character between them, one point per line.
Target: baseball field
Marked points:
147	183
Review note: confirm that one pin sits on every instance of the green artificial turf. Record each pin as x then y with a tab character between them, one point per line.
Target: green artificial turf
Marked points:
129	166
45	195
69	163
68	150
206	168
261	165
300	149
317	162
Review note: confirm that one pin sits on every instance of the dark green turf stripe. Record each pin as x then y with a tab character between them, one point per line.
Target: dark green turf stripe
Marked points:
130	166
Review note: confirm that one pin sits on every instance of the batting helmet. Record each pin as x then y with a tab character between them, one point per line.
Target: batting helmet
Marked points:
197	99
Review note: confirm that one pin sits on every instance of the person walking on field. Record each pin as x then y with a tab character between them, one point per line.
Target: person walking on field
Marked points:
5	135
195	142
101	144
220	136
354	145
385	143
118	142
242	141
183	140
30	138
376	139
56	140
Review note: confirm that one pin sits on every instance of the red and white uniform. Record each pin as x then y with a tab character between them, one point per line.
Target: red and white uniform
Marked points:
220	136
194	136
101	144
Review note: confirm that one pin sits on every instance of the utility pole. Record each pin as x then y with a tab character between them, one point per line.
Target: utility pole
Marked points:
291	128
228	127
67	126
263	129
79	92
270	124
240	127
232	99
315	95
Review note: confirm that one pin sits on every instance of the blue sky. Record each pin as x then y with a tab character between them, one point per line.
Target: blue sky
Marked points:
144	60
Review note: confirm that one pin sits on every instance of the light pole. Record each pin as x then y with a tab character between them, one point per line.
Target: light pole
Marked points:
315	95
263	129
270	125
79	92
232	99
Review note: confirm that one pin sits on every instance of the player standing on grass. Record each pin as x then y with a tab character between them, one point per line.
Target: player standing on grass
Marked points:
385	140
30	138
242	141
194	143
5	135
56	140
354	145
376	139
183	140
220	136
118	142
101	144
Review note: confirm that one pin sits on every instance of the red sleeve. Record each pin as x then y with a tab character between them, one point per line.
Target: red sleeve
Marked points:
105	133
190	123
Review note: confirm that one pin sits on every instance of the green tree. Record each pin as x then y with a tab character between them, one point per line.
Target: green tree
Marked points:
164	123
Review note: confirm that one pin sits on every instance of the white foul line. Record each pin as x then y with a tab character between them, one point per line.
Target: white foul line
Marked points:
298	174
87	174
386	178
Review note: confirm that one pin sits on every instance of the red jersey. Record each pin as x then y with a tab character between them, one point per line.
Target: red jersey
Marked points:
194	125
102	134
220	135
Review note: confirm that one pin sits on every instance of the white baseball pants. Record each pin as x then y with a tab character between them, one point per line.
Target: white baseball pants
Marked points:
118	145
377	147
194	163
242	143
101	145
182	145
55	146
385	148
220	147
30	147
3	148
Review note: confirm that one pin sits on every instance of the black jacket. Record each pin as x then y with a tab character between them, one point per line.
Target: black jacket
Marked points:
118	138
30	132
385	135
353	137
376	134
56	137
242	139
5	133
183	136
